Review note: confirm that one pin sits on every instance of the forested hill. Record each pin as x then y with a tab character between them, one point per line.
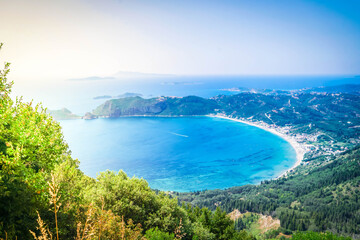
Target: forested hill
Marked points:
279	109
336	114
327	198
171	106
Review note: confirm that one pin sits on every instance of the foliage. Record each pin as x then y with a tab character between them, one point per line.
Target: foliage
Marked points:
31	146
317	236
156	234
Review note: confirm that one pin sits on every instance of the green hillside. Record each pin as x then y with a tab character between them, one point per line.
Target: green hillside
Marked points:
327	198
162	106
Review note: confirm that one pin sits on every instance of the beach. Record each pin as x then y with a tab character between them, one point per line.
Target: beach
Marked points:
299	149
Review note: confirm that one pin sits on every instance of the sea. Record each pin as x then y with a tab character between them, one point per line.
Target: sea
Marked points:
173	154
179	154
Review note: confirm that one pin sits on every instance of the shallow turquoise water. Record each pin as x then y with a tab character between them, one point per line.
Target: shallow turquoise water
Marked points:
179	154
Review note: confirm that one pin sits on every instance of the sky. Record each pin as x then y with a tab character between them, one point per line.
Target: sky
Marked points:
53	40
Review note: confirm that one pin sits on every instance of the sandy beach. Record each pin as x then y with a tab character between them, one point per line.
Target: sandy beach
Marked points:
299	149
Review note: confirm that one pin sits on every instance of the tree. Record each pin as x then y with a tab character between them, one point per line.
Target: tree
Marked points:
31	146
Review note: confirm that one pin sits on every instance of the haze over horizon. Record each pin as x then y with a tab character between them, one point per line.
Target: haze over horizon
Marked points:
50	41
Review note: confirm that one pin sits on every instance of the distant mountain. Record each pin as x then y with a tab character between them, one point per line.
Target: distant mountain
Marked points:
63	114
128	94
124	95
102	97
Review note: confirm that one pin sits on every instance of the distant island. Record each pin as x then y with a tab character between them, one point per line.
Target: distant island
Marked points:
102	97
129	94
63	114
124	95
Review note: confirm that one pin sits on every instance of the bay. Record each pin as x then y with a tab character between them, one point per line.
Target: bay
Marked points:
179	154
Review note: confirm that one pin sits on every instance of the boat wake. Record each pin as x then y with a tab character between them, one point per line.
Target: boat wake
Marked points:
178	134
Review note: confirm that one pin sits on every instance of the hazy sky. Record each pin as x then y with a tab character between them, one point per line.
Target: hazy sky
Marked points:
53	39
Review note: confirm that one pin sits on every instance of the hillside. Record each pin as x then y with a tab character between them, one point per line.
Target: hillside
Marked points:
282	110
162	106
327	198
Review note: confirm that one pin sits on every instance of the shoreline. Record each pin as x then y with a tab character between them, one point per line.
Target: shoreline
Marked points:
299	150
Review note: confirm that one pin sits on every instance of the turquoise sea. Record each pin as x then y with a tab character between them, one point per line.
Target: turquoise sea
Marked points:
179	154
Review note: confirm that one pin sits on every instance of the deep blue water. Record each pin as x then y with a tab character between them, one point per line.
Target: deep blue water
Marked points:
179	154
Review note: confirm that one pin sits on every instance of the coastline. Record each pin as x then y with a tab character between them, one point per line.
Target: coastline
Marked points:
299	149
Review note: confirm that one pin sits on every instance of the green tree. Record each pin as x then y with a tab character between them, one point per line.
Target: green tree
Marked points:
317	236
156	234
31	146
